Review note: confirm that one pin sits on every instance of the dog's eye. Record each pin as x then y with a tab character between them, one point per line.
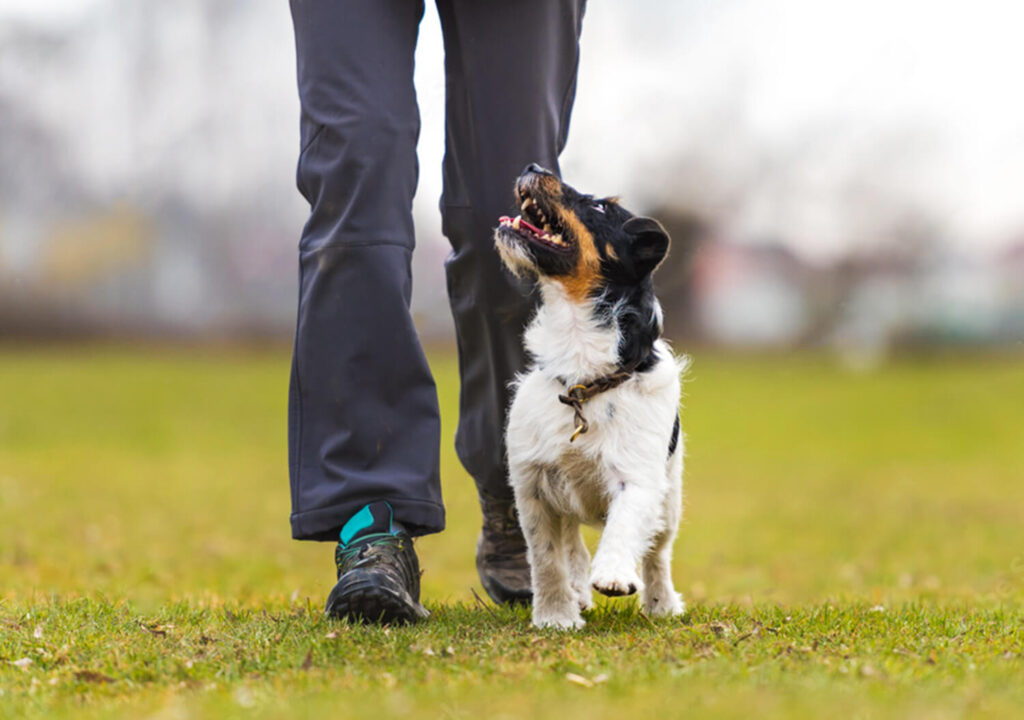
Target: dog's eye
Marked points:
599	206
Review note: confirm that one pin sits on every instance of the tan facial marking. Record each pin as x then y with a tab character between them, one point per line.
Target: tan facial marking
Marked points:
610	251
580	283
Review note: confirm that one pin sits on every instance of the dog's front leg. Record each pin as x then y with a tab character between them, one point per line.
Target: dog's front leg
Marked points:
554	602
629	528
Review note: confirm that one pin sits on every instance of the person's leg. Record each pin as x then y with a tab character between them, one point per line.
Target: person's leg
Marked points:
511	80
363	416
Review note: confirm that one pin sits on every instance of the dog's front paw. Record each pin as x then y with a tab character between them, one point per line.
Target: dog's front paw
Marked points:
615	583
562	620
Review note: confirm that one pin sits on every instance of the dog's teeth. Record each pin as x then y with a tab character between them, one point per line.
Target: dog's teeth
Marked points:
557	239
515	222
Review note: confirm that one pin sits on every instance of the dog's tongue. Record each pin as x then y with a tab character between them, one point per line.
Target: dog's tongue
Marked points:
522	224
536	230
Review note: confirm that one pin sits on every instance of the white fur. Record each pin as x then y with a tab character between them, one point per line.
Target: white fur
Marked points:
515	257
618	474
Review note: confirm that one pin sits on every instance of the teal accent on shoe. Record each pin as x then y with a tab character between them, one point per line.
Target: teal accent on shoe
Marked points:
366	519
356	524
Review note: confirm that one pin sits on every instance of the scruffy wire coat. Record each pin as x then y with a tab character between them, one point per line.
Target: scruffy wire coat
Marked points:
593	262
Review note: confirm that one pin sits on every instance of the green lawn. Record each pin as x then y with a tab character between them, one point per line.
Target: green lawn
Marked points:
853	544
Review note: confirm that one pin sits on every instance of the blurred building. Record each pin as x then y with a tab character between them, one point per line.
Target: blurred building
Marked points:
138	190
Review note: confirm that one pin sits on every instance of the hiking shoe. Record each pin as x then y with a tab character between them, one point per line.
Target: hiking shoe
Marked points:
501	559
378	579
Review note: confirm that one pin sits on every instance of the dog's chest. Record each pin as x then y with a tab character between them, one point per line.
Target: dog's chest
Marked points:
540	425
577	486
575	478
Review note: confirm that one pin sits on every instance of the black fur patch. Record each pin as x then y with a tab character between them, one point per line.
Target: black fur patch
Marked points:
632	308
674	442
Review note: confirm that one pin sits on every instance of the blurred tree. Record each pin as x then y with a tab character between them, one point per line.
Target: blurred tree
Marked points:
674	279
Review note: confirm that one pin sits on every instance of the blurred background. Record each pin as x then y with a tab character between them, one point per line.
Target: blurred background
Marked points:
834	174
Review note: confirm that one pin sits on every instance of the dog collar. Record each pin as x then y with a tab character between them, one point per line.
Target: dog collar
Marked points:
578	394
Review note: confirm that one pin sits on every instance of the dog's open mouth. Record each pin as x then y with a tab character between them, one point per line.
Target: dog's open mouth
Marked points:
533	225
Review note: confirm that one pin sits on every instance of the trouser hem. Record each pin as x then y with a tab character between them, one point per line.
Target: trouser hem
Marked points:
420	517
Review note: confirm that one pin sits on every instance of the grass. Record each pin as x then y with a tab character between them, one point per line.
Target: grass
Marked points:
853	544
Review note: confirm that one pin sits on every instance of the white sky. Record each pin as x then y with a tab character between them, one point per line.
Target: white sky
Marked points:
951	69
44	10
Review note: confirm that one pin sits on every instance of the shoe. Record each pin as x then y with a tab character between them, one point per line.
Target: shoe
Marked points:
501	559
378	578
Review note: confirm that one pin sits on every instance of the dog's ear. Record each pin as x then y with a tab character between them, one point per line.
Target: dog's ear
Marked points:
649	243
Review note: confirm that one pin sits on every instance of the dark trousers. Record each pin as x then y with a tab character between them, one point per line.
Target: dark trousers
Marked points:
363	415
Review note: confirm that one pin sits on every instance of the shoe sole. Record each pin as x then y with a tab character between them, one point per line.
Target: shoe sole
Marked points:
502	595
365	598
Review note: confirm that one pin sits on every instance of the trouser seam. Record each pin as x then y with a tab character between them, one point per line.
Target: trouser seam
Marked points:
296	463
569	94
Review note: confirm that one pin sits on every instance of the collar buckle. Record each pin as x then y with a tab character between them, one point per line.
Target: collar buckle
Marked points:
578	394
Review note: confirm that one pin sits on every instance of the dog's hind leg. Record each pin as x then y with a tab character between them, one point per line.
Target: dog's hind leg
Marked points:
660	596
554	602
579	563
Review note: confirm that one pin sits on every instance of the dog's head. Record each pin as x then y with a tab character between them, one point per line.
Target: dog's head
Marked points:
585	243
600	254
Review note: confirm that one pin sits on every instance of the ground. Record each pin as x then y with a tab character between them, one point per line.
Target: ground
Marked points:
853	544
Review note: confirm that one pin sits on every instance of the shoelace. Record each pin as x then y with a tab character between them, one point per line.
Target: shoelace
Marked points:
365	548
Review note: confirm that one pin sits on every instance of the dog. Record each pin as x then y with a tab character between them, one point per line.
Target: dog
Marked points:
593	433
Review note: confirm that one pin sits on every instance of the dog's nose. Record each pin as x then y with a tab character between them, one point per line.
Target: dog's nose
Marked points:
535	168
